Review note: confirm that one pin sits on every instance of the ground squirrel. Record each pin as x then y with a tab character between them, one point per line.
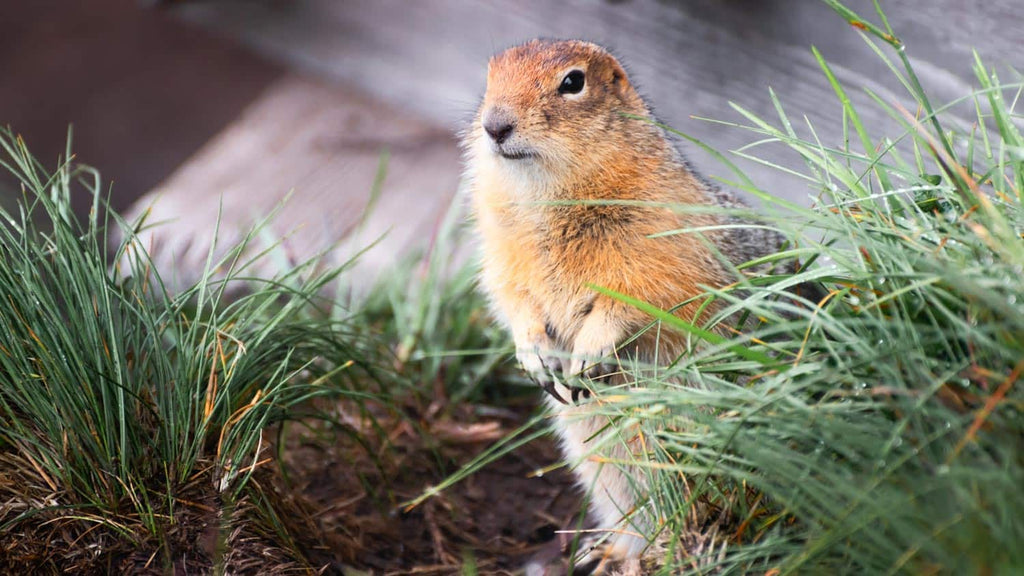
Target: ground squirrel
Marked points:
560	130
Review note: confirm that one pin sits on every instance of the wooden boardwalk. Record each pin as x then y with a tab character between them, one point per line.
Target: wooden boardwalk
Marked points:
309	153
422	64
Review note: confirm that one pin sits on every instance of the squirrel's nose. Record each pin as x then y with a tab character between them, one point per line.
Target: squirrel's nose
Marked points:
498	124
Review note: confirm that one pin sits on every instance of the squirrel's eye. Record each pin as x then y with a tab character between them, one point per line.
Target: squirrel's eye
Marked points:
572	83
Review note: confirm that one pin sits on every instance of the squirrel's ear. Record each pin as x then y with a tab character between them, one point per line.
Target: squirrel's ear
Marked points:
619	81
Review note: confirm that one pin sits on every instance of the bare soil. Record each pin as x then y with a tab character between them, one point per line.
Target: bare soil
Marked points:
497	519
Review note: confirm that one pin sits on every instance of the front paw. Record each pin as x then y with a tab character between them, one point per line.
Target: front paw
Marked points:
593	363
541	365
544	368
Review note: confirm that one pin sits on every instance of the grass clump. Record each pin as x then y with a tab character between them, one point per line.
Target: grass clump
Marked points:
878	428
430	311
132	420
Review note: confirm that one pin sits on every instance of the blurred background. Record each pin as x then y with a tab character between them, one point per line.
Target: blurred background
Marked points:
205	110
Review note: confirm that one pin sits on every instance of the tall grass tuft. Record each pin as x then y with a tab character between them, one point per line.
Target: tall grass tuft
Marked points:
878	428
429	308
119	398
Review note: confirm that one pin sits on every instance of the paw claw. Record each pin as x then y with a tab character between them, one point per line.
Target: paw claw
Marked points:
577	391
543	369
549	387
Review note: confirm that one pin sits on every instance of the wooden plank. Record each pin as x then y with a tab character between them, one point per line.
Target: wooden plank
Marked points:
322	143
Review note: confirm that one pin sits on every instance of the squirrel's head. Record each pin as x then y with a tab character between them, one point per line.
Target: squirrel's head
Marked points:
554	103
